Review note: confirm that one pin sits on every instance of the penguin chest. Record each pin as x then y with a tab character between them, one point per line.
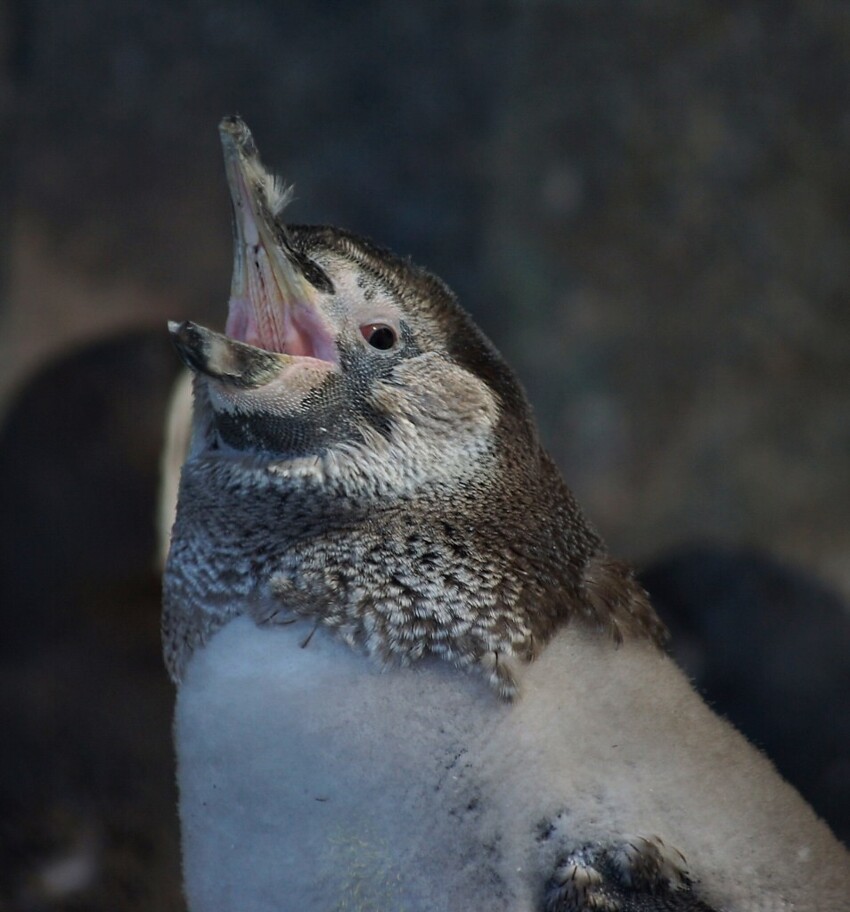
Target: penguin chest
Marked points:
311	780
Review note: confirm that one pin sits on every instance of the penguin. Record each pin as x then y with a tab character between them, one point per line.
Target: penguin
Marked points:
409	676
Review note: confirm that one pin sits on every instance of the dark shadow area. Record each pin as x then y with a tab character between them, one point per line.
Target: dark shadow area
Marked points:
87	797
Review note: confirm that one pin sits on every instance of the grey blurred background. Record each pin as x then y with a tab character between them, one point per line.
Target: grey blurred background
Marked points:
645	204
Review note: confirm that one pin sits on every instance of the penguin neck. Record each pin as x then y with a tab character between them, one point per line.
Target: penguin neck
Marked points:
481	575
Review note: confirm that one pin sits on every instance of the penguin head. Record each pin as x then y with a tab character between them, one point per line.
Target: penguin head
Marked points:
339	356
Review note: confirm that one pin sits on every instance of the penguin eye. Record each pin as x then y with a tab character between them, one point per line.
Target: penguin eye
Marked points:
379	335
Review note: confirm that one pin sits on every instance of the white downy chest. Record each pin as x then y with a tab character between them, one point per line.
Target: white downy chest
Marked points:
312	781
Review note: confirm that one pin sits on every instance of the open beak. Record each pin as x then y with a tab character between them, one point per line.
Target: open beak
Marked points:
275	288
274	324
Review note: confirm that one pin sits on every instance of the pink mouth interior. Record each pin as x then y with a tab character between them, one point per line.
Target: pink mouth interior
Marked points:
279	327
261	314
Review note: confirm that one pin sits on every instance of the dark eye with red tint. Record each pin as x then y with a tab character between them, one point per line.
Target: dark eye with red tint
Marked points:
379	335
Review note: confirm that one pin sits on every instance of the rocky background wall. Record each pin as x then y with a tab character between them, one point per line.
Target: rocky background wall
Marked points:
646	205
